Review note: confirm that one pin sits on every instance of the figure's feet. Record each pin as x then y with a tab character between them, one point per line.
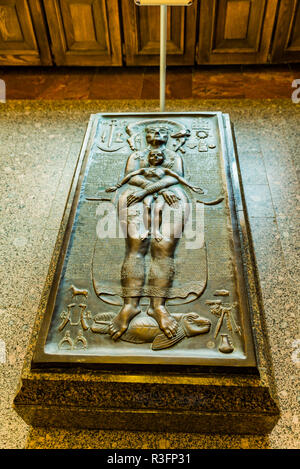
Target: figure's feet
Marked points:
121	322
144	235
157	235
165	321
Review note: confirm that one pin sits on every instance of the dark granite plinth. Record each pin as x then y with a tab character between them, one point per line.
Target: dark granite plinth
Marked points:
234	398
147	402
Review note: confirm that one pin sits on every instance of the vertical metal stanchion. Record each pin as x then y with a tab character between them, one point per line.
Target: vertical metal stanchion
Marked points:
163	55
163	39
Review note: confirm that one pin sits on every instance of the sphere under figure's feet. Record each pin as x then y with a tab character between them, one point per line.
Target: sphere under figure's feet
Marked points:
121	322
164	319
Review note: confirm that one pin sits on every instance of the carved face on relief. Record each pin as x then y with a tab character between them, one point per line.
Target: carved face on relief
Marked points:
156	135
156	157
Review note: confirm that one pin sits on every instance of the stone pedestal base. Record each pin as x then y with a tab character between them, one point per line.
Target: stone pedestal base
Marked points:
147	402
192	386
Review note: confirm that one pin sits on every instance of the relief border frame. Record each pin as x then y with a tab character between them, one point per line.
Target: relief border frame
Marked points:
241	238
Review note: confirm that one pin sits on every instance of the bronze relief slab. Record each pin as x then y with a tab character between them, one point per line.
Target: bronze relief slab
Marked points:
151	270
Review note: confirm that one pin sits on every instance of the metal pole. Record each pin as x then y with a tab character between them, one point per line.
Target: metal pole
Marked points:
163	55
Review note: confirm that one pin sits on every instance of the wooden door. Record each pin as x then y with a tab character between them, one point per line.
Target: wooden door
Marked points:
141	27
235	31
84	32
23	36
286	45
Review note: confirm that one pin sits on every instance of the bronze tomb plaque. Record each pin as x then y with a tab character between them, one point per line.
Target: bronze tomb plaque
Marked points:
151	270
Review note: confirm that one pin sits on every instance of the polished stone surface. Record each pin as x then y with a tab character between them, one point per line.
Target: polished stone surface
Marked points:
40	142
201	82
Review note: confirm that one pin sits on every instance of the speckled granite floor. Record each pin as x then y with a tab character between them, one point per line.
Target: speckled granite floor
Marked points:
39	144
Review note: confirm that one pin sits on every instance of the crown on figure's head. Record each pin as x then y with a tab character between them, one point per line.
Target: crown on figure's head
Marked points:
158	126
173	129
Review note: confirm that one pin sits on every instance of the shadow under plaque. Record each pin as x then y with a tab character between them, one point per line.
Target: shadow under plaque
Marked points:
155	295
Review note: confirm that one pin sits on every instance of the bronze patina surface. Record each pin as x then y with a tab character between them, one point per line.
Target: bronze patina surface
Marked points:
152	331
151	270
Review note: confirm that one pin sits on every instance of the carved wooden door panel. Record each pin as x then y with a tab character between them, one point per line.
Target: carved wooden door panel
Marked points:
286	46
84	32
235	31
141	27
23	37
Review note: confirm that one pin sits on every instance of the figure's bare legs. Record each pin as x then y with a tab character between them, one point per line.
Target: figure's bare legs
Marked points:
156	218
162	266
161	275
132	272
146	216
152	217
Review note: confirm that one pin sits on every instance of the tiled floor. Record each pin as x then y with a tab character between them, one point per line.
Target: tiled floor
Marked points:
218	82
40	141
